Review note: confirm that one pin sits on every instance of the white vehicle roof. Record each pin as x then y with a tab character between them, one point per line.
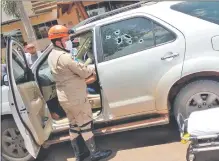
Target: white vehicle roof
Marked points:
183	22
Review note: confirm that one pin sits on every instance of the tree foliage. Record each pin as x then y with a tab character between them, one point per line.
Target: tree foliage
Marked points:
10	8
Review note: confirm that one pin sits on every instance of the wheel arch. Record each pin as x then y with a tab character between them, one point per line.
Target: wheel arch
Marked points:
179	84
202	67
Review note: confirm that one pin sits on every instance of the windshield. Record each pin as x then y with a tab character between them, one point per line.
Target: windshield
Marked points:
208	11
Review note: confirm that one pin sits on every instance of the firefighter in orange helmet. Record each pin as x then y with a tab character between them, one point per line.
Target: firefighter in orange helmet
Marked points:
70	77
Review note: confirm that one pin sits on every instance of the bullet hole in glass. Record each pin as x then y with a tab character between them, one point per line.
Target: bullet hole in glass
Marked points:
119	40
130	42
127	36
117	32
141	41
108	37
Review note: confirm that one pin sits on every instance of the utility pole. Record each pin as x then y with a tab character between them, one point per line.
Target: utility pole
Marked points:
82	10
31	37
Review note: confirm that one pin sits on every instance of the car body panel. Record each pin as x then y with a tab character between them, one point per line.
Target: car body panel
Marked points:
202	64
215	43
192	36
5	108
126	98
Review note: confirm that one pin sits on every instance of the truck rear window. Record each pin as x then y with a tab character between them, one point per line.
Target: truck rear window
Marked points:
208	11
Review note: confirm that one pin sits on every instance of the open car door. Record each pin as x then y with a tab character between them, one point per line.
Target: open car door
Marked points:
28	106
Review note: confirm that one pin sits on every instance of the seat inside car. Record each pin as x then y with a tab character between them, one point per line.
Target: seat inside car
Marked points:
48	88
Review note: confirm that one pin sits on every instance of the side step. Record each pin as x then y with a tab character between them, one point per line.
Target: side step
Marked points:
161	120
57	138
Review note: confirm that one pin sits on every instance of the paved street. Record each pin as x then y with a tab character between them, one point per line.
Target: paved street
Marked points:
151	144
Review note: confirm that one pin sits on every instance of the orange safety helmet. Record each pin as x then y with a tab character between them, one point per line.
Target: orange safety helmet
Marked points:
57	31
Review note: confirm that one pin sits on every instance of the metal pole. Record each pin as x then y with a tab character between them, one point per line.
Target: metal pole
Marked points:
31	37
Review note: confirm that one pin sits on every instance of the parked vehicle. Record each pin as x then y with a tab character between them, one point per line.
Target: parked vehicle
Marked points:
152	61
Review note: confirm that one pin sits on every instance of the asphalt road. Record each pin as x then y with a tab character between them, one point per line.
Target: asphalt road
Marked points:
150	144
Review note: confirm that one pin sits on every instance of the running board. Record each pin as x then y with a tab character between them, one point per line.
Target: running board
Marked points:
161	120
57	138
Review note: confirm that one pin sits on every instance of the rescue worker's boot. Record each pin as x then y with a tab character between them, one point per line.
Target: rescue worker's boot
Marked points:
96	154
83	148
80	149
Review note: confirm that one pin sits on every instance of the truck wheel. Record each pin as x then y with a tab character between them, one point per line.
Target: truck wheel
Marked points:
196	96
13	147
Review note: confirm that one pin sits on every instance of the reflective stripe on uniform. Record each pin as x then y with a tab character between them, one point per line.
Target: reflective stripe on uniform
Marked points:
74	131
86	130
90	122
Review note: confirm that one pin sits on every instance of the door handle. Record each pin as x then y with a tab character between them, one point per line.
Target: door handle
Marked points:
170	55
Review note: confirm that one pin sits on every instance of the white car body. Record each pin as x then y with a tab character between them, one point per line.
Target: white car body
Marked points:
145	79
5	108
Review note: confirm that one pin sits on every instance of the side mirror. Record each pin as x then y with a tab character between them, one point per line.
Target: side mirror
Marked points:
5	80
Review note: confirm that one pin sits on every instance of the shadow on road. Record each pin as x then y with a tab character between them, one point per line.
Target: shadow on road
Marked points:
142	137
131	140
120	141
150	137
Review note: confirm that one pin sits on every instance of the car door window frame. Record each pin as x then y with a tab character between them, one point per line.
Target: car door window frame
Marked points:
37	75
21	66
28	74
100	53
10	50
169	30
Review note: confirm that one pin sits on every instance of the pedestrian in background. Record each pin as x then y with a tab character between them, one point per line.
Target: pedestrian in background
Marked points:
25	46
32	54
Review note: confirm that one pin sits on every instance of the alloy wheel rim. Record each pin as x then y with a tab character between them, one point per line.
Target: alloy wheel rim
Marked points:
201	101
13	143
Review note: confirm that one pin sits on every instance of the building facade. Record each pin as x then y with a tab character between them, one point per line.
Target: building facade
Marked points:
44	14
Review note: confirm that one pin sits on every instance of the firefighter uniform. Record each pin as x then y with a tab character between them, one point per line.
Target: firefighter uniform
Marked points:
71	88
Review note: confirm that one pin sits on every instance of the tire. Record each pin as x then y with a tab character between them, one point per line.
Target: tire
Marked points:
196	96
9	127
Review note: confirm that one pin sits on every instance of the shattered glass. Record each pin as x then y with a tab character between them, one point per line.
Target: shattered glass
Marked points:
125	37
132	35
